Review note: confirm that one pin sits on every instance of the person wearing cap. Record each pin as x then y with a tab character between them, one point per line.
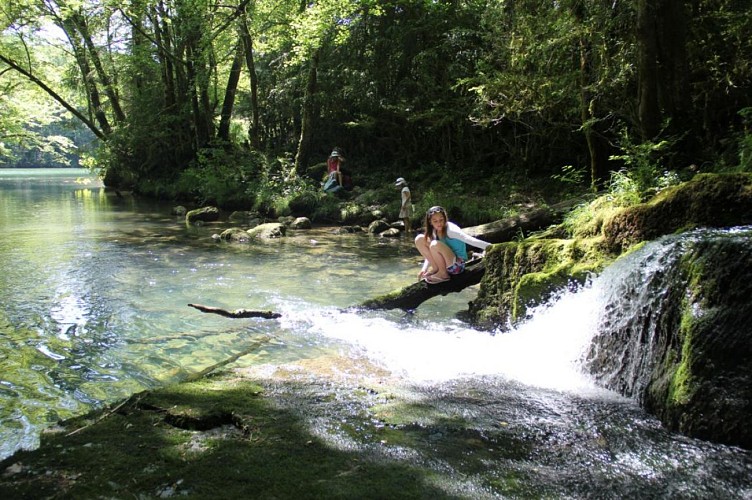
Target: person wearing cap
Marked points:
334	164
443	245
406	209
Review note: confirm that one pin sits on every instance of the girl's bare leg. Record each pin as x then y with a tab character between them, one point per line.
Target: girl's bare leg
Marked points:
442	256
422	245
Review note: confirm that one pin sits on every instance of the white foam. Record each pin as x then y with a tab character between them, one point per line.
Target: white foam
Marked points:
543	352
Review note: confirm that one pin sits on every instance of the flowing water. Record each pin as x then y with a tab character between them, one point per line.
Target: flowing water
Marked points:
93	307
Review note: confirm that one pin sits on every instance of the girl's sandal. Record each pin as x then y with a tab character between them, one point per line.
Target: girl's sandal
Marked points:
435	280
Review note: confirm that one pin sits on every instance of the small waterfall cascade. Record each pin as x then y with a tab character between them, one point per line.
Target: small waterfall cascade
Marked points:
674	332
636	294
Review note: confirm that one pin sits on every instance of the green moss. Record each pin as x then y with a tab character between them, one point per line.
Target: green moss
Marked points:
524	274
681	386
708	200
154	445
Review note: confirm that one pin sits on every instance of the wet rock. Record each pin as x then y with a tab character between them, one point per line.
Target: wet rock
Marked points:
243	216
378	226
268	231
205	214
522	275
348	230
235	235
392	232
708	200
301	223
687	356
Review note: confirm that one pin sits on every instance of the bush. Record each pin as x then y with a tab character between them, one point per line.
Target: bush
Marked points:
221	177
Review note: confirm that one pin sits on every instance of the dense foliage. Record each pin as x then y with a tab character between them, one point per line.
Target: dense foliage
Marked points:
229	102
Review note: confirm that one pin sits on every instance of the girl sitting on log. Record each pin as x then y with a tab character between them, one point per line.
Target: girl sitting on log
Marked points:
443	245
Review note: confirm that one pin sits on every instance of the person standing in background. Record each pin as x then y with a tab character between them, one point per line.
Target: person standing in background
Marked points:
406	209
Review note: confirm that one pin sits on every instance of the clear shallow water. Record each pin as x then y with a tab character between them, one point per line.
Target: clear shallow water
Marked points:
93	307
94	294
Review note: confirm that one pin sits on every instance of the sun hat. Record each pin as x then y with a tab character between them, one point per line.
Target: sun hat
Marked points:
400	181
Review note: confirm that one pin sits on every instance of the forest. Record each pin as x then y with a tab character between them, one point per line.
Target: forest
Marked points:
239	103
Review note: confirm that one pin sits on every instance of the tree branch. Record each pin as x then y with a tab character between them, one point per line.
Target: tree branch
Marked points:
39	83
237	313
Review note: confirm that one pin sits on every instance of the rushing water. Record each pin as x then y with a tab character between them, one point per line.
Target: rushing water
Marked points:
93	307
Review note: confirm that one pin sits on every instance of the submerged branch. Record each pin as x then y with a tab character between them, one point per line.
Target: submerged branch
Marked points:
237	313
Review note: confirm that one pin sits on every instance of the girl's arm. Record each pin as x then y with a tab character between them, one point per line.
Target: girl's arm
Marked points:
454	231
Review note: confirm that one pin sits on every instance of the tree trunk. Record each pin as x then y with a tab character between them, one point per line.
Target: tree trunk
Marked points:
512	227
194	63
80	23
229	101
164	48
306	126
674	94
411	296
255	131
647	70
92	90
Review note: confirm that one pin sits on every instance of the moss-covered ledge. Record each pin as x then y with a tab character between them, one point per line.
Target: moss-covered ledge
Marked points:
708	200
521	275
700	381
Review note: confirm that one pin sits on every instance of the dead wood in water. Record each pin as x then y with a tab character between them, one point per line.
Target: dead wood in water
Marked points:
237	313
410	297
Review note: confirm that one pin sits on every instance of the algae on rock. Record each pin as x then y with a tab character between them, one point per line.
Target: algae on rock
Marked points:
687	357
521	275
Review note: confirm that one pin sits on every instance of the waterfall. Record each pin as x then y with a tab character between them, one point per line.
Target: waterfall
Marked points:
635	294
674	332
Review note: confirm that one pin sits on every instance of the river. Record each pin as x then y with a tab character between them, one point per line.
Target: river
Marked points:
94	292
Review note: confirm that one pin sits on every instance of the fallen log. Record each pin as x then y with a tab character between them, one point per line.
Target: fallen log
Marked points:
237	313
411	296
510	228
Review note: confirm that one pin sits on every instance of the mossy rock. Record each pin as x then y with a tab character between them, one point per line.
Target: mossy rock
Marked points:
524	274
268	231
708	200
686	355
205	214
521	275
304	204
